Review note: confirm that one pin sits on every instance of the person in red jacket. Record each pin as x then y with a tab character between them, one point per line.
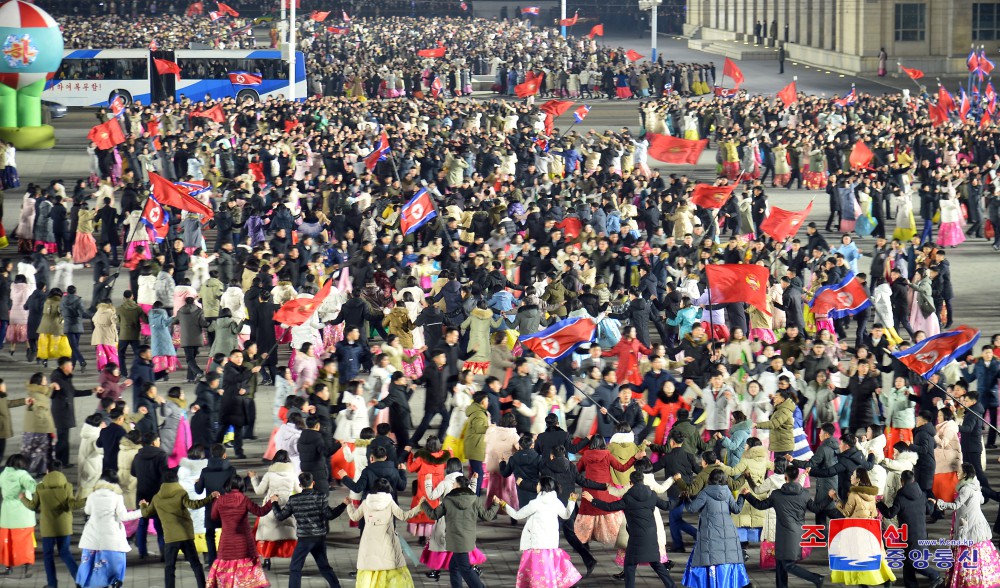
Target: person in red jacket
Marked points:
237	563
627	350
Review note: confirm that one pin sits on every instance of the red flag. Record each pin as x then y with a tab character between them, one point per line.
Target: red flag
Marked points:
344	17
170	194
945	100
319	16
291	125
933	353
633	56
297	311
568	22
556	107
529	87
216	15
937	115
549	127
673	150
435	53
195	9
165	66
709	196
156	218
226	9
338	30
861	155
915	74
436	87
214	113
596	31
985	122
416	212
782	224
107	135
789	95
730	69
738	282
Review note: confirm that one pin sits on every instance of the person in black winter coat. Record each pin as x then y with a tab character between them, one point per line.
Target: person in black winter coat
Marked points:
971	433
849	460
638	504
213	478
315	450
397	401
519	388
432	320
148	469
208	394
675	459
379	466
553	437
910	508
790	503
523	465
558	467
64	393
148	405
235	377
923	445
35	304
628	411
436	379
638	313
312	512
862	388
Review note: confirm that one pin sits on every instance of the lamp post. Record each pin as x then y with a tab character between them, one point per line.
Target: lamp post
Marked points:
291	49
651	5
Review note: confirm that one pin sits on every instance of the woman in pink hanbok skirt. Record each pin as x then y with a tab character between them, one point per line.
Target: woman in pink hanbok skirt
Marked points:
976	562
543	563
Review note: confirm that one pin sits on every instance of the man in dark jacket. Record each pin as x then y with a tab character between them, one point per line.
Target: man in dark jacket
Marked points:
64	393
397	402
790	503
148	468
862	388
379	466
354	314
212	479
315	450
142	372
519	390
552	437
653	380
350	354
824	458
923	445
603	398
638	505
985	372
626	410
435	379
849	460
73	313
910	507
523	466
558	467
677	460
971	434
35	305
312	512
234	380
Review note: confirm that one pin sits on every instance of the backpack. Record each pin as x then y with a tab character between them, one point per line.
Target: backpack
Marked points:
614	222
608	333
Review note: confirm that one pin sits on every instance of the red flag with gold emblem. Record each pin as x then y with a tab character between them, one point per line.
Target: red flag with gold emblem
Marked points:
297	311
673	150
782	224
709	196
738	282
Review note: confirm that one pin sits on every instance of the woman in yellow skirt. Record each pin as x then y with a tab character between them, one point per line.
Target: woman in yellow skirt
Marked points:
454	440
380	558
17	522
52	342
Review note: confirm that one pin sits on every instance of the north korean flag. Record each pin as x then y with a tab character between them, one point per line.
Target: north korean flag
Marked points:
416	212
847	100
846	298
532	10
156	218
380	152
560	339
933	353
242	78
581	113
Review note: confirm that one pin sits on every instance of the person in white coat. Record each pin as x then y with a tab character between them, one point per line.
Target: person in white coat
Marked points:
287	439
188	473
380	558
276	538
543	563
104	542
354	417
90	457
972	531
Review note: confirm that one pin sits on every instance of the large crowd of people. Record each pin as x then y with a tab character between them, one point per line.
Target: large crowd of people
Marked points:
749	417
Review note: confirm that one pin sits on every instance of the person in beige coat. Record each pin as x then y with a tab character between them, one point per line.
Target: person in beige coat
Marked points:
380	558
106	334
6	426
127	448
281	480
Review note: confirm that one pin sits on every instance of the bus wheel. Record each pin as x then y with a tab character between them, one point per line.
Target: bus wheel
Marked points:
244	95
125	95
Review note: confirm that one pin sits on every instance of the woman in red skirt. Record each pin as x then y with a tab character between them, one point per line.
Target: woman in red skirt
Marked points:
237	564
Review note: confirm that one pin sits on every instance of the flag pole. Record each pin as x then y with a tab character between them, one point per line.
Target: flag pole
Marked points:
919	87
588	396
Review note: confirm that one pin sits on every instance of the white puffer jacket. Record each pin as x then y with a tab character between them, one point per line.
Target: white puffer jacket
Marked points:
106	510
541	516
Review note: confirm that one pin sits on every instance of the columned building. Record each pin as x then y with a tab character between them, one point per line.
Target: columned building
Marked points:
846	35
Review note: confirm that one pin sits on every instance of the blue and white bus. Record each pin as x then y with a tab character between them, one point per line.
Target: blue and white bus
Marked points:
93	77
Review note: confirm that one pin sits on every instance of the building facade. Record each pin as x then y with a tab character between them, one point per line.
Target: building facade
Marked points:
847	35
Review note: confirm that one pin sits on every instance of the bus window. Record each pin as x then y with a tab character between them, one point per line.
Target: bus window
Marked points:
218	69
103	69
